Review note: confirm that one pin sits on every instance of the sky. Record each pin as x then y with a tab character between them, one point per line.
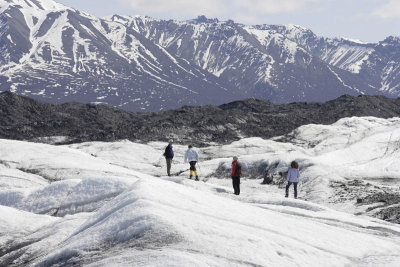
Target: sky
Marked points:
365	20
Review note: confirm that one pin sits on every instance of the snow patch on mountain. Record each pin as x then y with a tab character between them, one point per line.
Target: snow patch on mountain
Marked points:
347	57
357	41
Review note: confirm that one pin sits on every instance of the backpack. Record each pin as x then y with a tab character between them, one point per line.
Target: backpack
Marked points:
238	171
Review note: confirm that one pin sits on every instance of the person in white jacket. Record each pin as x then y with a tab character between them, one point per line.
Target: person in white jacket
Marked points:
192	157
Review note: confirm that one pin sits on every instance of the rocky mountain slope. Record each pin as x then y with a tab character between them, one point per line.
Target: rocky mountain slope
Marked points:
287	61
22	118
58	54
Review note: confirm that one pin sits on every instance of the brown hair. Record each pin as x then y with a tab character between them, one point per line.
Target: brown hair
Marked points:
294	164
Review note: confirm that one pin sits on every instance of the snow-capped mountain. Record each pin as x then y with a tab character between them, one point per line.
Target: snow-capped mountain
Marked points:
375	64
111	204
282	63
56	53
60	54
259	60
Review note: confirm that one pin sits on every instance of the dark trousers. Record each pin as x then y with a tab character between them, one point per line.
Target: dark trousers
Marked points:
236	184
169	161
295	188
193	165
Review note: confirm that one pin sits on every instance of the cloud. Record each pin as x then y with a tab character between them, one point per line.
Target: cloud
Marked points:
244	10
176	8
271	6
390	10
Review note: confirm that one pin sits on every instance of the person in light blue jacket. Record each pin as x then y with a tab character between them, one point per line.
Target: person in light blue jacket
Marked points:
293	178
192	157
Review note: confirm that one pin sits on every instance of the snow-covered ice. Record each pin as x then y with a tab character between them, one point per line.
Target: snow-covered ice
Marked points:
111	204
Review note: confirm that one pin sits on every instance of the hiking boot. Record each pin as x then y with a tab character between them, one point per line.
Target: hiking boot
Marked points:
197	178
286	195
191	176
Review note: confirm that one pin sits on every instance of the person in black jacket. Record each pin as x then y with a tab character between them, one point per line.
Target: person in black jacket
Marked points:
169	155
236	173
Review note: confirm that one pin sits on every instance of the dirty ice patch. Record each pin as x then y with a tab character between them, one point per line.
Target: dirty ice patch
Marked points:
29	244
157	216
13	178
56	163
14	222
134	156
321	139
66	197
375	156
250	146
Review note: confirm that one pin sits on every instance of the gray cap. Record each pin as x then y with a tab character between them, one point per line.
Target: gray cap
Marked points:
170	141
235	158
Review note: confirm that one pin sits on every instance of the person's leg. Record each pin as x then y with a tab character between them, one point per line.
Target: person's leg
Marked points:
169	166
236	181
193	165
295	190
192	168
287	189
234	185
238	185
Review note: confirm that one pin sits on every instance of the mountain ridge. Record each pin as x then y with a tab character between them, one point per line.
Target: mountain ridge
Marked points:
58	54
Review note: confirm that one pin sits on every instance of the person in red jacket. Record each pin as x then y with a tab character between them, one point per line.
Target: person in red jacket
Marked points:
236	173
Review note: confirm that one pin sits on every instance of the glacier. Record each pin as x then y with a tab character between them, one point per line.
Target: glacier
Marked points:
111	204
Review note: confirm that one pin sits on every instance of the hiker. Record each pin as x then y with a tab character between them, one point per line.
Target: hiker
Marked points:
192	157
293	178
169	155
236	173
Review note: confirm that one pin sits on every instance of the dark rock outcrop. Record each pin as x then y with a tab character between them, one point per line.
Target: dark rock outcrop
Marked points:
22	118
